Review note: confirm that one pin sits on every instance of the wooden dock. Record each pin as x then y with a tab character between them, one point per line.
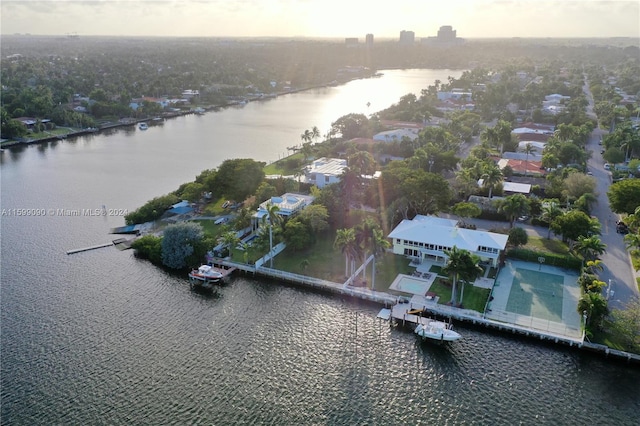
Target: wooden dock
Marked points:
80	250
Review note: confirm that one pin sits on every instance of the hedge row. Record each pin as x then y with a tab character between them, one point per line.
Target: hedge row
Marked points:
563	261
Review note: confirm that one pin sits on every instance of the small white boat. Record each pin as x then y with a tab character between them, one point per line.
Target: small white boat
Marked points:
143	126
205	274
437	330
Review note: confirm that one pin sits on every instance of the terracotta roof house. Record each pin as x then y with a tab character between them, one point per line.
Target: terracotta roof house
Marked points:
523	166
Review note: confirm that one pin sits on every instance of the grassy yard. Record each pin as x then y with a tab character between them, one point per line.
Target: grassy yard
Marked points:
474	298
545	245
211	229
285	166
325	262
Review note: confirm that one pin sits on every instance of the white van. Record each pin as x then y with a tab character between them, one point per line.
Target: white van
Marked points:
221	220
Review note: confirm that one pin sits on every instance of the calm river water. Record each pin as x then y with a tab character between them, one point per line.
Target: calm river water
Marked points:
103	338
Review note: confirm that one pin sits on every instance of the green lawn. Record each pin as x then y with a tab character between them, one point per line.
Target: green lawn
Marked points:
325	262
211	229
474	298
545	245
283	166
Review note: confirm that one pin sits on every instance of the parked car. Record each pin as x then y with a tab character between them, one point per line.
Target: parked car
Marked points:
622	228
607	166
221	220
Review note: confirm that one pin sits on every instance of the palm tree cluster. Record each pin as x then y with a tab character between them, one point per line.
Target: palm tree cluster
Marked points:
364	240
461	266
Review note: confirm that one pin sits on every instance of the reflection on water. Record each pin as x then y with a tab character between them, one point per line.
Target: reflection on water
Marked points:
102	337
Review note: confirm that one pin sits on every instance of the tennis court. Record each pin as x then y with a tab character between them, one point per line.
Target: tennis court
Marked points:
537	294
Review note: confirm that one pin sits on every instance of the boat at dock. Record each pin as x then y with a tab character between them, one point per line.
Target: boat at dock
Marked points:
205	274
437	330
413	311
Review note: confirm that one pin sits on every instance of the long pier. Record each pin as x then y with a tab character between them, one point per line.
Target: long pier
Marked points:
80	250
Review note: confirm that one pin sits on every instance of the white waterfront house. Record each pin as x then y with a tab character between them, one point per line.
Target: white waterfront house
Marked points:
289	204
427	237
325	171
396	135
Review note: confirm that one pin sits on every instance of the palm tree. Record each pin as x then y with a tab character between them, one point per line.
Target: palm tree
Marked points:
590	247
595	305
632	241
513	206
245	252
455	266
306	136
315	133
364	238
346	242
362	163
274	219
551	210
472	271
594	266
230	240
349	183
379	245
528	149
306	150
491	177
633	220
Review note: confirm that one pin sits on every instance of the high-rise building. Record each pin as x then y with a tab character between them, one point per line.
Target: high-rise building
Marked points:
351	41
447	36
446	33
369	40
407	37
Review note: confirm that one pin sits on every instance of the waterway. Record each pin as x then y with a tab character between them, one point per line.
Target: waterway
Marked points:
103	338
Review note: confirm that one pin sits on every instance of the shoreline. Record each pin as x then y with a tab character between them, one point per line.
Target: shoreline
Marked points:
210	108
469	318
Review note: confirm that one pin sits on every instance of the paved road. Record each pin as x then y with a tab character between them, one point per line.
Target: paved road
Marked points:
618	267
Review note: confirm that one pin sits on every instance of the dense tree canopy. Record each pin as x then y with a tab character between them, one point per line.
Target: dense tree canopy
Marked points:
179	242
574	224
624	196
239	178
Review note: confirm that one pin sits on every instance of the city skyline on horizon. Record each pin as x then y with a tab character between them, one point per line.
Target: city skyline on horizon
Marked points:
323	19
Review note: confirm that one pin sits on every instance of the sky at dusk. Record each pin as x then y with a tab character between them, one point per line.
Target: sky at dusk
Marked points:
322	18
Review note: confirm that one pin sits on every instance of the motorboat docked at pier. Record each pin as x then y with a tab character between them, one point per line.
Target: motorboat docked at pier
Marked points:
437	330
414	312
205	274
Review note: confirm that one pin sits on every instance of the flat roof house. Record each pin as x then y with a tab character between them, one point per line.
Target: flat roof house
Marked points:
289	204
325	171
427	237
